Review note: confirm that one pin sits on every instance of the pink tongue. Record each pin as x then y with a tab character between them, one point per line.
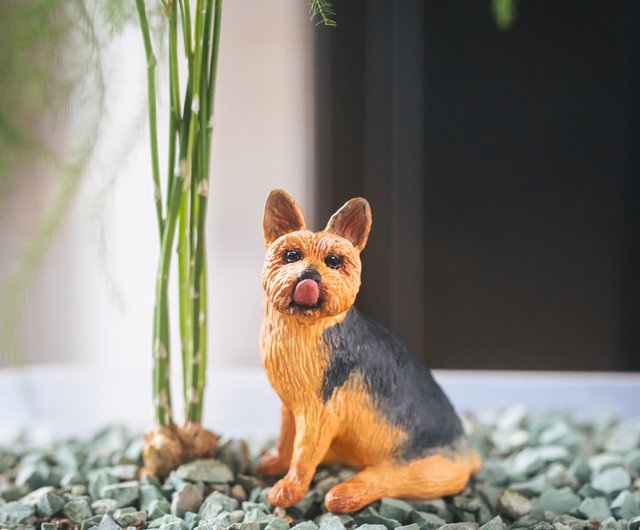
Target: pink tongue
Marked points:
307	293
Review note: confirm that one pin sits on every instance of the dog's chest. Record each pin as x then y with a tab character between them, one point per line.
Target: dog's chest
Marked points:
295	356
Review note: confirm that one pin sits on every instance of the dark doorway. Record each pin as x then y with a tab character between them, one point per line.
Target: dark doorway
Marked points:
502	170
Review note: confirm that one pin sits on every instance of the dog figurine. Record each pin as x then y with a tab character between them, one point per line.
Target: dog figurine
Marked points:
351	392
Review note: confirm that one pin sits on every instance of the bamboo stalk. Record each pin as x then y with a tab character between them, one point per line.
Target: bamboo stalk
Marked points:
151	96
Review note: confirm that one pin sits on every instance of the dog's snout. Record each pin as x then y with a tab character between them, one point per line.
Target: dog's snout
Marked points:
310	274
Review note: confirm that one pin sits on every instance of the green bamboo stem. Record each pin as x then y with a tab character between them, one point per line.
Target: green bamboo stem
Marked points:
151	96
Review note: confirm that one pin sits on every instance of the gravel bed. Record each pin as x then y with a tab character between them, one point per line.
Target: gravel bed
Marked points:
541	472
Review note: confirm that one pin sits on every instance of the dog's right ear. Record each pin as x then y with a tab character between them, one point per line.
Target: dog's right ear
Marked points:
281	216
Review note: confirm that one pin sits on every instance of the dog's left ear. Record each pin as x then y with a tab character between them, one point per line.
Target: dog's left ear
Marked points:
281	216
352	221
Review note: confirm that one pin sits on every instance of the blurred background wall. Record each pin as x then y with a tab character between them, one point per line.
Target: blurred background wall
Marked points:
502	168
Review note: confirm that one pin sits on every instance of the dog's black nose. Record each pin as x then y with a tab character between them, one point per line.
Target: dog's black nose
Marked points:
310	274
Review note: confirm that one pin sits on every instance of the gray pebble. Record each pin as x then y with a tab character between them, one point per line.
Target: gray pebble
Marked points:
612	480
626	505
124	493
187	499
558	501
77	509
513	505
595	508
494	524
50	504
206	470
395	509
15	512
102	506
427	520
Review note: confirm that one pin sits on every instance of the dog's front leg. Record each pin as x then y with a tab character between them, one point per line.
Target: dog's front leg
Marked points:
277	462
315	430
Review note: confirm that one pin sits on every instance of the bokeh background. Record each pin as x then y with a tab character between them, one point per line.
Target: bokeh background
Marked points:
501	165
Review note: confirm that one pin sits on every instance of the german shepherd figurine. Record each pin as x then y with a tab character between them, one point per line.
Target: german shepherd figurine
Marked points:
351	392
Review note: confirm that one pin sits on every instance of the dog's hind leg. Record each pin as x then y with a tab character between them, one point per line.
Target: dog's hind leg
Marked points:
433	476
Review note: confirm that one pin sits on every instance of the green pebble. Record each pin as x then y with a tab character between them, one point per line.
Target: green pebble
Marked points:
102	506
609	524
132	517
558	501
72	478
580	469
107	523
77	509
595	508
624	438
249	505
603	461
366	526
395	509
309	525
206	470
49	504
191	519
245	526
493	473
255	515
47	526
148	493
98	480
460	526
490	494
168	521
626	505
10	492
277	524
513	505
612	480
494	524
374	518
299	510
574	523
33	475
15	512
91	522
531	488
124	493
634	524
411	526
210	525
158	508
559	477
216	503
124	471
187	499
330	522
632	459
427	520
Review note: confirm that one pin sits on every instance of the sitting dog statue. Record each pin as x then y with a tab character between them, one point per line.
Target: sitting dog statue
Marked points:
351	392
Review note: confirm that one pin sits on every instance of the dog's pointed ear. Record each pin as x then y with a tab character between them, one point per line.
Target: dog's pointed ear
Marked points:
281	216
352	221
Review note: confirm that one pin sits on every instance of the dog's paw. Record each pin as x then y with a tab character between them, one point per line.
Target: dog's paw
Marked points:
272	464
286	493
349	496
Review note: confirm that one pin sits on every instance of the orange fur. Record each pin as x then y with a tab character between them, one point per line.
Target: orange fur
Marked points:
347	428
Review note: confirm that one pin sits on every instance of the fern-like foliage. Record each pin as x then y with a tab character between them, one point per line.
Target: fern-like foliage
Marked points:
324	10
504	13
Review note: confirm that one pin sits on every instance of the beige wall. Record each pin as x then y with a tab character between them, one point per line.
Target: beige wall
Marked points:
91	300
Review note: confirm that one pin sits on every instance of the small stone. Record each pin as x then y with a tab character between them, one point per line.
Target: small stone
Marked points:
299	510
395	509
310	525
124	471
168	522
33	475
129	517
91	522
49	504
580	469
632	460
558	501
612	480
575	524
277	524
324	485
236	516
78	490
493	473
124	493
10	492
47	526
559	477
107	523
609	524
238	493
98	480
604	461
595	508
149	493
494	524
207	470
15	512
460	526
187	499
427	520
366	526
626	505
158	508
216	503
245	526
77	509
513	505
102	506
531	488
634	524
73	478
375	518
330	522
624	438
255	515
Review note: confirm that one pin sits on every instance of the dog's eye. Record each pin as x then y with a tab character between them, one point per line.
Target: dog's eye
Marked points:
333	261
292	255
